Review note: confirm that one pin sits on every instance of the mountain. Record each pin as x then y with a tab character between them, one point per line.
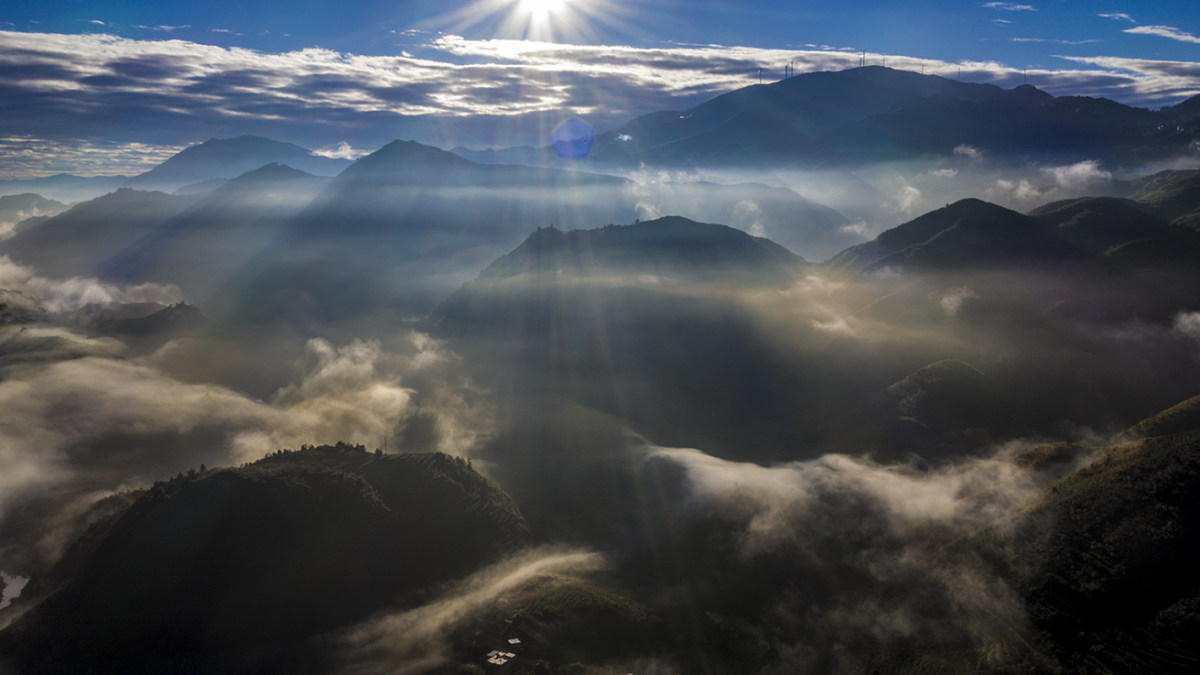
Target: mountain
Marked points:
967	234
671	248
227	158
1104	559
159	326
16	208
416	222
239	569
973	235
1062	130
219	235
75	242
639	322
1120	230
1173	194
64	187
778	119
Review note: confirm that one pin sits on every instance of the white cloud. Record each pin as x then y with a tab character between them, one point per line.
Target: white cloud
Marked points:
953	300
969	152
84	86
1168	32
1009	7
68	295
1188	323
908	200
163	29
1118	16
417	640
1078	175
22	156
341	150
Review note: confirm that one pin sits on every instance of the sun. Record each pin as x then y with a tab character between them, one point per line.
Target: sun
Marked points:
542	7
578	21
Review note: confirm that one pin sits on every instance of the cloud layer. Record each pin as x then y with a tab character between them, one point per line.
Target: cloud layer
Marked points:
65	97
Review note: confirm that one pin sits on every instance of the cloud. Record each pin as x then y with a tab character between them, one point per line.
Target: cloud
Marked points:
968	152
83	417
1117	16
1009	7
1168	32
164	29
1054	41
953	300
341	150
1079	175
908	200
25	155
70	95
68	295
417	640
857	555
1188	323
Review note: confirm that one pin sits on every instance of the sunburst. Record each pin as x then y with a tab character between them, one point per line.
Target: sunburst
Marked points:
578	21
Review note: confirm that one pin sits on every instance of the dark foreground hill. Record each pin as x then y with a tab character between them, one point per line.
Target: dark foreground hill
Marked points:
236	569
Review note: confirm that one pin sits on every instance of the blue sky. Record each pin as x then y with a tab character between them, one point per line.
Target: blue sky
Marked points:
86	80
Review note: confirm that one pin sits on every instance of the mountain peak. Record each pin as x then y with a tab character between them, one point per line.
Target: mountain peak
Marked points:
227	158
405	156
671	247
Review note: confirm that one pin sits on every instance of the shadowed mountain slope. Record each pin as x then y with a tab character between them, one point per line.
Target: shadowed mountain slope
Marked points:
1105	560
75	242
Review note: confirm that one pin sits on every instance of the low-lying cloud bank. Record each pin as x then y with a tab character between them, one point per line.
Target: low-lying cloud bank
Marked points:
862	563
416	640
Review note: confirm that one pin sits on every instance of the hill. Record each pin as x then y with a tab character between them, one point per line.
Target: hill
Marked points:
236	569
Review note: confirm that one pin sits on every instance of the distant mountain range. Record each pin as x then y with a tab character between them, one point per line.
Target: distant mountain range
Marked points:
873	114
64	187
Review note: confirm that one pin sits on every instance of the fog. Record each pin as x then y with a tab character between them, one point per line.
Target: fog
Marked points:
418	640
